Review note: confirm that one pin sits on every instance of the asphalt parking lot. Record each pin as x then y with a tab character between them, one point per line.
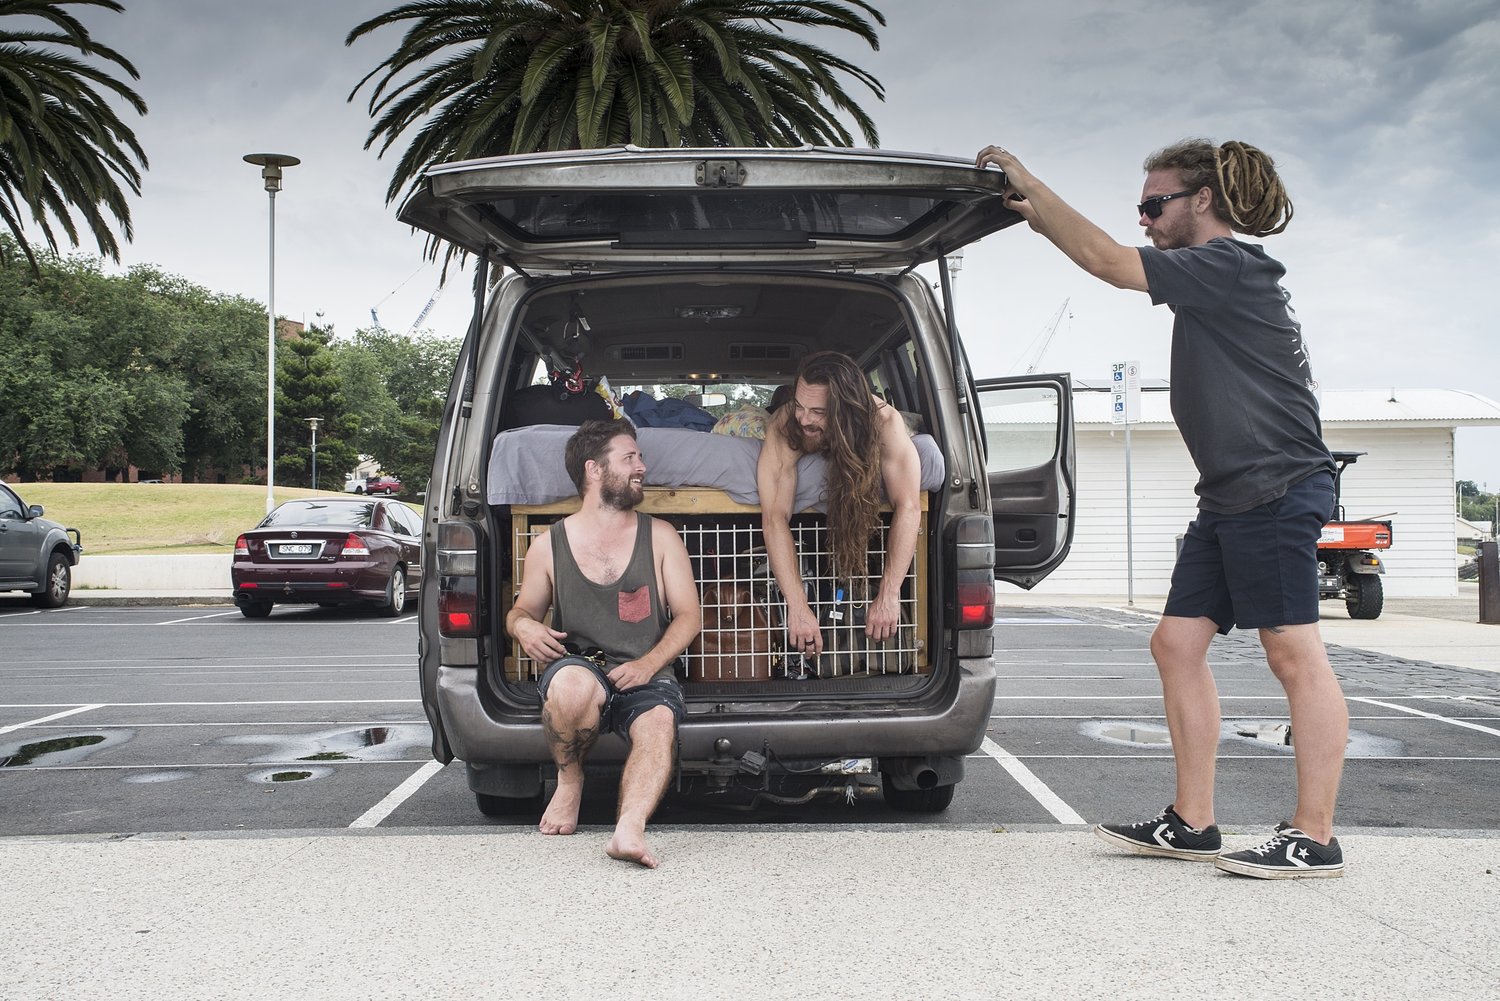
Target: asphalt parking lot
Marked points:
159	861
195	719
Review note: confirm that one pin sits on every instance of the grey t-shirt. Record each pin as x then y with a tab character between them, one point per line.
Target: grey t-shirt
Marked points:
1242	387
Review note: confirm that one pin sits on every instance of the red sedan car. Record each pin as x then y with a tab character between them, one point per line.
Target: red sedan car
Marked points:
330	551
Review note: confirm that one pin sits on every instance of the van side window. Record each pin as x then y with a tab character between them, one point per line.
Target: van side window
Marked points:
1020	424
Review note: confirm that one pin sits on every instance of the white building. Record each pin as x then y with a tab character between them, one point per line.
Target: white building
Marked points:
1406	477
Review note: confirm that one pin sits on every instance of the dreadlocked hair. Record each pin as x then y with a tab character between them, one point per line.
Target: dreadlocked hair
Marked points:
852	448
1248	194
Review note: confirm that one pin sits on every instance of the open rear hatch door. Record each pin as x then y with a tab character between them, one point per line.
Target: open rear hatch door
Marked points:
1028	433
626	207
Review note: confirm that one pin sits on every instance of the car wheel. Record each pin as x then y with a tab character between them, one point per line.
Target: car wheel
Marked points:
1364	596
934	800
256	610
507	806
395	594
57	584
359	490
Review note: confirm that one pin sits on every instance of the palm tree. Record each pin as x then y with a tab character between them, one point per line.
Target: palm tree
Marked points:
517	76
62	147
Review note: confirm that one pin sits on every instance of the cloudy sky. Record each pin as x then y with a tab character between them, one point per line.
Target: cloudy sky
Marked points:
1384	119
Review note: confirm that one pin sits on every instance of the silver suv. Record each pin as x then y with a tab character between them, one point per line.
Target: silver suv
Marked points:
700	278
36	555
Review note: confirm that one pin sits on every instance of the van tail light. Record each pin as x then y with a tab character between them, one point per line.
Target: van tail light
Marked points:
976	604
242	547
355	546
458	579
974	592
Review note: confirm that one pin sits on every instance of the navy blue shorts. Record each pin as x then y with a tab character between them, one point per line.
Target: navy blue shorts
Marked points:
622	708
1257	569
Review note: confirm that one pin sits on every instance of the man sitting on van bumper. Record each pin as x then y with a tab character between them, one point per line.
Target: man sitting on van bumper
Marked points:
624	608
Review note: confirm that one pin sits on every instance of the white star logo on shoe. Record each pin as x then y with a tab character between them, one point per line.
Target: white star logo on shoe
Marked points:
1303	853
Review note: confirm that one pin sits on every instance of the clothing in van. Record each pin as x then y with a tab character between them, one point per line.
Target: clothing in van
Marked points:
610	624
1243	393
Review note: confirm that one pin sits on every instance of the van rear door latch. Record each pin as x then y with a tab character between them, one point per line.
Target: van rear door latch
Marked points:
720	174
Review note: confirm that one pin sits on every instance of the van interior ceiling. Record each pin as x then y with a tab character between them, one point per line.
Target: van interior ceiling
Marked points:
722	329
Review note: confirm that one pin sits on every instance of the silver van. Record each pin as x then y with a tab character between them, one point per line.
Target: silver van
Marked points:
691	282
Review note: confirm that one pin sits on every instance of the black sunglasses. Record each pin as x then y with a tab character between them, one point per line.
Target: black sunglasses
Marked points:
1151	207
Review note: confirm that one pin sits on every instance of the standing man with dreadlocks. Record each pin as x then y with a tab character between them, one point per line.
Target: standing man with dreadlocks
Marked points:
1243	398
866	445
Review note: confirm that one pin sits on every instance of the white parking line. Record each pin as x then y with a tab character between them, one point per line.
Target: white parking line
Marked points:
397	622
375	814
47	719
197	618
202	765
1053	803
1417	712
1128	698
1351	760
247	702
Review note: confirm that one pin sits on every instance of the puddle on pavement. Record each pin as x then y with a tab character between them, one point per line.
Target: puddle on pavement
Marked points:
153	778
1275	734
1134	734
371	743
65	750
279	776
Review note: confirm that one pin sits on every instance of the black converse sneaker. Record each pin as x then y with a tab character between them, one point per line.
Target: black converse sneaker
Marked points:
1165	834
1290	854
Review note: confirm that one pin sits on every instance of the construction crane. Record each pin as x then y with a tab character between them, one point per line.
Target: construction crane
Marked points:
1038	345
425	310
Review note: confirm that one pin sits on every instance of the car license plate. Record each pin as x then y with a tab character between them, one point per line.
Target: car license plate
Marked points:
300	549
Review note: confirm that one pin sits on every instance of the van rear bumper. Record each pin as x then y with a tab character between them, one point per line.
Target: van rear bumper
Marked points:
955	728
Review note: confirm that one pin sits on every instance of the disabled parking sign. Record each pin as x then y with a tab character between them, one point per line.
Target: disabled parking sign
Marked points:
1125	398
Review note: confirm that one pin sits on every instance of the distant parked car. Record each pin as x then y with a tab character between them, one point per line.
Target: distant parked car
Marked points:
36	555
329	551
381	484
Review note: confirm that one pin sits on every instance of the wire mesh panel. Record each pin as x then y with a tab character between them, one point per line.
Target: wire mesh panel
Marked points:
744	612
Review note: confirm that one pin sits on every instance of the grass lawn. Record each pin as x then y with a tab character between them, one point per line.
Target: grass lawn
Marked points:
155	518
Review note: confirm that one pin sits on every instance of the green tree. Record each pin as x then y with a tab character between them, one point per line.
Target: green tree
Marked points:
1475	504
62	146
308	385
485	77
86	372
223	357
395	387
102	372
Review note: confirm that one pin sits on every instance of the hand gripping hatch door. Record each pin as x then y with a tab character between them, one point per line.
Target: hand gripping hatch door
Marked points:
625	207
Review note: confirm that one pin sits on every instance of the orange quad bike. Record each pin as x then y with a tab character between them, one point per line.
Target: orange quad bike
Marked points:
1347	565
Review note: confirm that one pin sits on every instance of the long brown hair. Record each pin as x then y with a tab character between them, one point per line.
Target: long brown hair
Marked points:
1248	193
851	442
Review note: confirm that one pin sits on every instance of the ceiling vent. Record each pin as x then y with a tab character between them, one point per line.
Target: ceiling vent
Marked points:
764	352
648	352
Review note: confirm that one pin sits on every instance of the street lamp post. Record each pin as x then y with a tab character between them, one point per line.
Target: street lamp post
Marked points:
271	164
313	423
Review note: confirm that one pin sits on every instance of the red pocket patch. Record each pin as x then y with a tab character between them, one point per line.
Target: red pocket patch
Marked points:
635	606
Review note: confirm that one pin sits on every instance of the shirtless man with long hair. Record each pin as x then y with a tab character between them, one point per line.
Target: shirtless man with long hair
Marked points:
867	446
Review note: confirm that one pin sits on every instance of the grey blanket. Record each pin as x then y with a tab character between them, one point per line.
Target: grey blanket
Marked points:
526	465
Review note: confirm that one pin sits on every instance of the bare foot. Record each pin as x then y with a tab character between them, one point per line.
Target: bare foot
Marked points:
561	816
631	847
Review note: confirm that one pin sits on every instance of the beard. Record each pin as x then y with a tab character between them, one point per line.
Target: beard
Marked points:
620	493
1169	236
805	442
